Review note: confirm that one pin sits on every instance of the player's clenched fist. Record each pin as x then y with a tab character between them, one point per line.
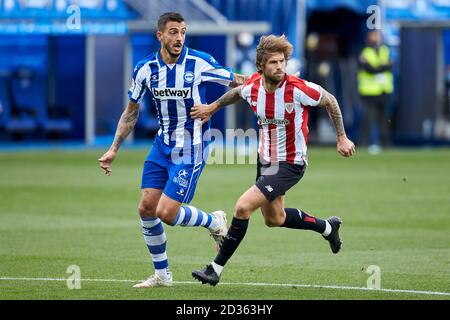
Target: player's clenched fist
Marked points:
106	160
345	147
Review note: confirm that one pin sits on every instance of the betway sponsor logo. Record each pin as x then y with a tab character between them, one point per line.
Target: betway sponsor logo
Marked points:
171	93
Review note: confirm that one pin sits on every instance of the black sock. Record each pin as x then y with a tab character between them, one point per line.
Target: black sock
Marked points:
297	219
235	234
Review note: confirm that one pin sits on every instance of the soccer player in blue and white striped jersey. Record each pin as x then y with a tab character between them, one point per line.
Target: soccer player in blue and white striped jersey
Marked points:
175	76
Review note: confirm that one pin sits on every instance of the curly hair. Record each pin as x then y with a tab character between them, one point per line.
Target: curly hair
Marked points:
272	44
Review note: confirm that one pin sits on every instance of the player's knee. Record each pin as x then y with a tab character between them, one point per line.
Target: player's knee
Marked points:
242	210
147	210
167	215
272	222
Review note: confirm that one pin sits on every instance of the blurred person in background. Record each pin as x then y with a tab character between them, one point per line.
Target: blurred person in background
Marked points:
375	85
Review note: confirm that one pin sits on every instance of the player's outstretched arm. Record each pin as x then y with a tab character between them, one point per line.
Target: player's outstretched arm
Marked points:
205	111
125	126
238	80
345	147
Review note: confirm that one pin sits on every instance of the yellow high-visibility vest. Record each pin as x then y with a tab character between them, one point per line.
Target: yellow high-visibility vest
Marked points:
374	84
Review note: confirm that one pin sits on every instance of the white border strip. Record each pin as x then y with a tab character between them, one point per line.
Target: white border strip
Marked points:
259	284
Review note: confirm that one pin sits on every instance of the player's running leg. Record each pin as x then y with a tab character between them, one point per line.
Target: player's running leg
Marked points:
251	200
173	213
275	215
274	186
155	238
329	229
179	190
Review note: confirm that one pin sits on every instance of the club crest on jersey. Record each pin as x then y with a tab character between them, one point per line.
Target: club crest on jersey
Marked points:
188	77
154	80
171	93
289	107
181	180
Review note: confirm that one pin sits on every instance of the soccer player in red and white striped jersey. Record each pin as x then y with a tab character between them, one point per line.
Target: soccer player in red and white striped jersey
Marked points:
282	116
281	103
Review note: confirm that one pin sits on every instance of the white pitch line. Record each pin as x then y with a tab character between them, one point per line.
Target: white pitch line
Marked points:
260	284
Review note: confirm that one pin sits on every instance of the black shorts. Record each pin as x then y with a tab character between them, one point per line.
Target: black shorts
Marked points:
275	179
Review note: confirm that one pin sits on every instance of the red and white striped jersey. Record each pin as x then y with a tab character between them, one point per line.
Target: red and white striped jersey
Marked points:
282	116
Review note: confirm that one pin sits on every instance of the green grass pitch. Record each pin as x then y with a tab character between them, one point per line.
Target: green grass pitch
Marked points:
58	209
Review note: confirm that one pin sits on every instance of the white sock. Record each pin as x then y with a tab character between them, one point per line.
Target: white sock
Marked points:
162	273
217	268
215	223
189	216
327	229
155	238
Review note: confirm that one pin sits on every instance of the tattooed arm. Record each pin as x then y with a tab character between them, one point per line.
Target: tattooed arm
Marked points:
345	147
126	124
331	105
205	111
239	80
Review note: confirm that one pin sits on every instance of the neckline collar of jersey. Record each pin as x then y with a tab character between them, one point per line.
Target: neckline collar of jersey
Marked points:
179	61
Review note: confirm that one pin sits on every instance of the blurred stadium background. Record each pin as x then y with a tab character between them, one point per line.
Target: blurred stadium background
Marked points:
68	83
63	85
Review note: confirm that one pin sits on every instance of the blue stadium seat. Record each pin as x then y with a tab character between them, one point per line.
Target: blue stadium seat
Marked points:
57	120
9	123
58	125
25	101
5	104
31	111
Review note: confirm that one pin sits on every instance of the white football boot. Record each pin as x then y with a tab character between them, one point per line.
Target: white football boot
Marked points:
220	233
156	281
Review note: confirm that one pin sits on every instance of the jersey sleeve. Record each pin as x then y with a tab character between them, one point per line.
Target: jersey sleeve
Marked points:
214	72
138	85
246	93
308	93
246	89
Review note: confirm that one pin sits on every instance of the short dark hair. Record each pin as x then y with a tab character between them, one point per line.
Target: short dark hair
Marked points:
167	17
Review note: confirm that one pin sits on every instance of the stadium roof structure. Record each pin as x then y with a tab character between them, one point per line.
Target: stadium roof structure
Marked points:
202	18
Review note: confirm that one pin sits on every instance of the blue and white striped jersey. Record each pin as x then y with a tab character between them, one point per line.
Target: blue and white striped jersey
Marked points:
175	89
